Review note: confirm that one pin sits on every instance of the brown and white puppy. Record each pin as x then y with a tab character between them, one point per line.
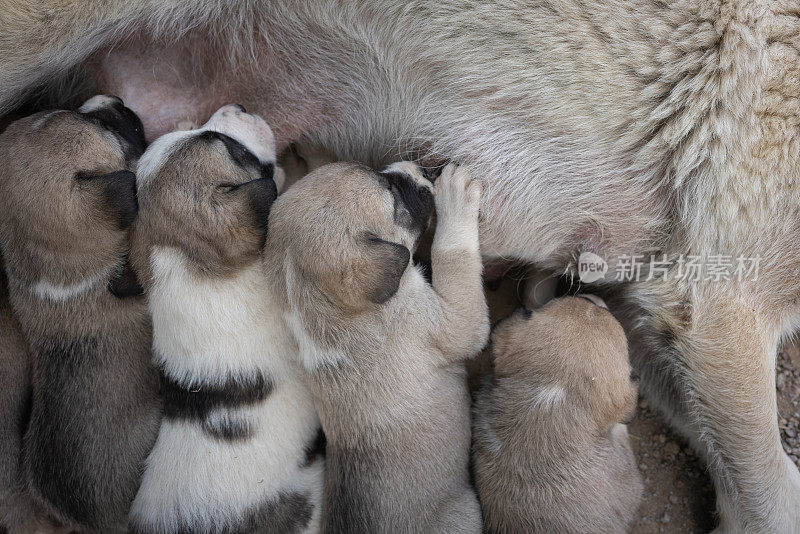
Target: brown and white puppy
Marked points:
383	348
19	514
231	455
550	454
67	199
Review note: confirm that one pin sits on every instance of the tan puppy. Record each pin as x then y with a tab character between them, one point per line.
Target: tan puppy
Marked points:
383	348
67	198
550	454
235	449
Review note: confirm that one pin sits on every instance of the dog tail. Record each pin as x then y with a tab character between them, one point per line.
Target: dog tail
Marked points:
43	43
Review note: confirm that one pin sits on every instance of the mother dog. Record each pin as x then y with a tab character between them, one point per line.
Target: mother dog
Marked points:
619	128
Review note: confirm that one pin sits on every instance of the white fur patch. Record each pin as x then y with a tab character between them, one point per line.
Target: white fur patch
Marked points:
548	397
192	477
38	123
212	328
157	153
96	102
311	354
487	435
208	330
250	130
595	299
61	293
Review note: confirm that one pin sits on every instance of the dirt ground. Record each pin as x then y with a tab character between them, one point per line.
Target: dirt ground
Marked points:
678	493
678	497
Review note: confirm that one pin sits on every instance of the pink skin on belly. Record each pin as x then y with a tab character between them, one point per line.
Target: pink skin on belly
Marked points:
163	97
174	88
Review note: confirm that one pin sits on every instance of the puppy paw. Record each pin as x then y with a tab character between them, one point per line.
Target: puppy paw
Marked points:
457	193
457	196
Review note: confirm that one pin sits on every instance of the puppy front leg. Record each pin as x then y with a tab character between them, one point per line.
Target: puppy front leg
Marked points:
463	318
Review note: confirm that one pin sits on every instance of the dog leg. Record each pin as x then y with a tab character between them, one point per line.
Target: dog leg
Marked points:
707	360
456	266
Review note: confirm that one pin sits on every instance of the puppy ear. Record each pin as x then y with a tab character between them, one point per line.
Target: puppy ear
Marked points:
386	264
262	193
119	190
368	274
124	284
616	404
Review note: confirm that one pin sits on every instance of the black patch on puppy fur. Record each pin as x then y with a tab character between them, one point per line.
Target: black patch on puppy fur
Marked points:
350	505
124	284
240	154
181	402
55	451
237	151
289	514
315	449
124	124
119	191
227	429
413	202
262	194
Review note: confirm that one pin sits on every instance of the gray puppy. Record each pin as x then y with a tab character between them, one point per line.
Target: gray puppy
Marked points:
383	348
67	199
550	453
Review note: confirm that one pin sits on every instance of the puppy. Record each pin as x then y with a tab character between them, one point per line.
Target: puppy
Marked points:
18	513
549	452
383	348
233	451
67	199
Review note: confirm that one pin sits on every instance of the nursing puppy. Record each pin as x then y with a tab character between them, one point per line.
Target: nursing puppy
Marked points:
18	512
383	348
550	454
67	199
234	450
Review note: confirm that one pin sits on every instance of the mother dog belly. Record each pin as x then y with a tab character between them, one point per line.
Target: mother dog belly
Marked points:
557	128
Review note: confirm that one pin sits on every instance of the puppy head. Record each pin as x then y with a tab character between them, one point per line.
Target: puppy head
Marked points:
208	192
67	193
350	231
574	350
